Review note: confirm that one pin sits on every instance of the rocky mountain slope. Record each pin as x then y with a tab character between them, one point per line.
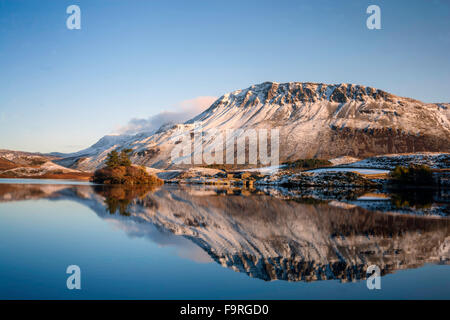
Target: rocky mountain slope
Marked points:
315	121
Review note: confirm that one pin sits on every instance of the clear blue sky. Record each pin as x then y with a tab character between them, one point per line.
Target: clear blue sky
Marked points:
61	90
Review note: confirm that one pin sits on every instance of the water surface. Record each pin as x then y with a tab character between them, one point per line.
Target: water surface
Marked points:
181	242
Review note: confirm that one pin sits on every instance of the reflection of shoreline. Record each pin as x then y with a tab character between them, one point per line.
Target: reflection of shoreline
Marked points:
266	237
77	176
418	201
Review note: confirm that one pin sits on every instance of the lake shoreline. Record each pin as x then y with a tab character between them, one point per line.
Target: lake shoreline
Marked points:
196	175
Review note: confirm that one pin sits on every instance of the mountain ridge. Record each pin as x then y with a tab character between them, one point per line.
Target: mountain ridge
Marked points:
315	120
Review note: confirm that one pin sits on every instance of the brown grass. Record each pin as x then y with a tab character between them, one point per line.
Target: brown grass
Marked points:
6	164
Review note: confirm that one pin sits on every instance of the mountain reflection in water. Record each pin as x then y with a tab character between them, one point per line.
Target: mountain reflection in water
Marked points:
264	236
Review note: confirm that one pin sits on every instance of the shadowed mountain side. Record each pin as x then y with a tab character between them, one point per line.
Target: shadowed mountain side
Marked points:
270	238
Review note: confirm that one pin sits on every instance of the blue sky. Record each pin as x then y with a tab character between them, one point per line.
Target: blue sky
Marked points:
61	90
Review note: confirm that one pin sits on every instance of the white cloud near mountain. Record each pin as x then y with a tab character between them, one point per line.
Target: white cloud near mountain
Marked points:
182	112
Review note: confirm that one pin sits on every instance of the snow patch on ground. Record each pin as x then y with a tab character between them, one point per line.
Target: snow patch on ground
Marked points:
358	170
267	170
343	160
437	160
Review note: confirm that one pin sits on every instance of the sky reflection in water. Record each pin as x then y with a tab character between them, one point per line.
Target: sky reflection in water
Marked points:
185	242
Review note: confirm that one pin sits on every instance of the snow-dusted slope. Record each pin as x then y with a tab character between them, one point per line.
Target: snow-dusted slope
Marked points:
46	168
18	164
314	119
390	161
93	156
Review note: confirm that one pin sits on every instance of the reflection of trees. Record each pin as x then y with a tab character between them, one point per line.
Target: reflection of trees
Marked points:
118	198
418	198
114	204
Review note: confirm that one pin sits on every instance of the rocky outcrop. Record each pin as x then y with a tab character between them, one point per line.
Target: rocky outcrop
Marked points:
320	179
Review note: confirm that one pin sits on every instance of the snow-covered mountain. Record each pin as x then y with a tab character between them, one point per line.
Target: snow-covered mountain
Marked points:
314	119
98	150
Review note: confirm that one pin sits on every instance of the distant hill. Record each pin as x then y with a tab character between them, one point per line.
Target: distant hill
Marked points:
18	164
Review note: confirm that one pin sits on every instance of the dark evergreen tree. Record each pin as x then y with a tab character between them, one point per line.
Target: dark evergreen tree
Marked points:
124	158
113	159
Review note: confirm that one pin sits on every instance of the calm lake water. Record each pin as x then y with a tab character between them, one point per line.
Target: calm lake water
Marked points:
182	242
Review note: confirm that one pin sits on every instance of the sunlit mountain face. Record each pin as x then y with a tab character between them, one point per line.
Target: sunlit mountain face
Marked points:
315	120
